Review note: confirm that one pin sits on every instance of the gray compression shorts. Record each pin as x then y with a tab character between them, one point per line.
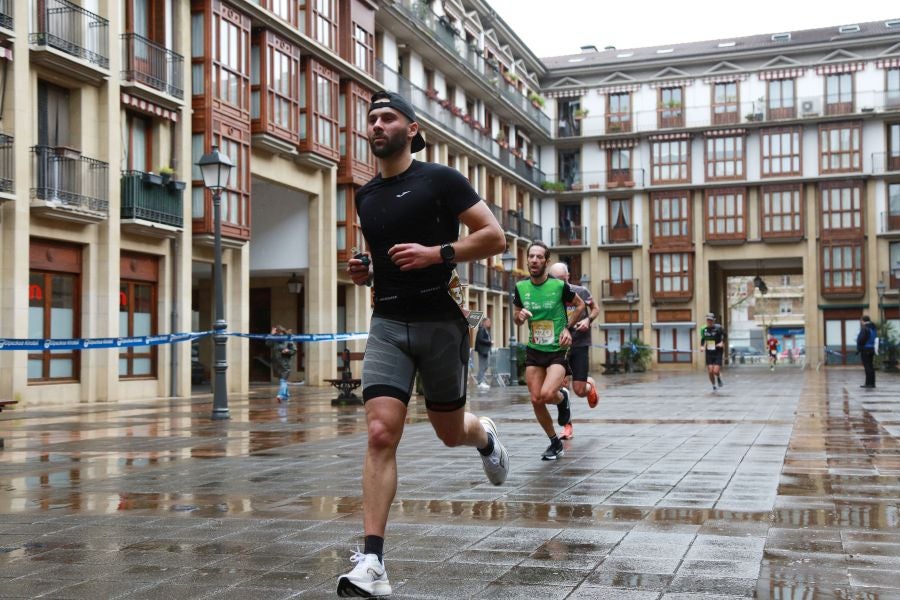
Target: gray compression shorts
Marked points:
439	351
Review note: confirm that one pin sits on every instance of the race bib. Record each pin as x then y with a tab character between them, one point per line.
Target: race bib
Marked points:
542	332
710	344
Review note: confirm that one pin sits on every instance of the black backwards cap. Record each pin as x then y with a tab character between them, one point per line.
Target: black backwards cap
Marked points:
397	102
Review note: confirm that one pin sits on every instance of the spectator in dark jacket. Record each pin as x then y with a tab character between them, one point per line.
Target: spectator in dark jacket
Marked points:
282	353
483	345
865	346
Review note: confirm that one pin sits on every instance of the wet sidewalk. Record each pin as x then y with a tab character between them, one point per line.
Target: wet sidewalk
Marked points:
779	485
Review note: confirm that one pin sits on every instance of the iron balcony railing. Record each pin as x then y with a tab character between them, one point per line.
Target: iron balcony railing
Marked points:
6	14
613	179
63	176
890	222
575	235
432	108
73	30
153	65
444	33
619	234
617	289
7	164
479	275
750	111
512	222
531	231
495	279
150	202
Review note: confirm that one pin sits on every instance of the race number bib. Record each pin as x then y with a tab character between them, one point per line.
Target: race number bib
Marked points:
542	332
710	344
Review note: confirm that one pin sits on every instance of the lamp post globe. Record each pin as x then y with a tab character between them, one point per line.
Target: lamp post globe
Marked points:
509	262
216	169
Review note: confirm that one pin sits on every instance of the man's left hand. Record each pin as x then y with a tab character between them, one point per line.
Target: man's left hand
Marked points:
565	338
414	256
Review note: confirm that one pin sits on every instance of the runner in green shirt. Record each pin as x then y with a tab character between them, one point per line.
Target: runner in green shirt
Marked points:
541	301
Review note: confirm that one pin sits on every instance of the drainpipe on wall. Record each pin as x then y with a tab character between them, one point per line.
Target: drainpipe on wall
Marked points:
173	327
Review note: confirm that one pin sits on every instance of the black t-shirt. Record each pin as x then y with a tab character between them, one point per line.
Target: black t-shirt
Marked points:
710	336
421	205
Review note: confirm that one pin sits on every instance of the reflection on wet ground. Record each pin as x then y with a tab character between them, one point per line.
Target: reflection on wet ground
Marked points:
781	485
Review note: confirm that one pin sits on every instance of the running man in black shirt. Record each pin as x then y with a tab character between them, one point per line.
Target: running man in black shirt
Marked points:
410	214
712	338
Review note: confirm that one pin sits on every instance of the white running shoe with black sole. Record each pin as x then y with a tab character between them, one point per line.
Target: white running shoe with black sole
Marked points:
368	579
496	464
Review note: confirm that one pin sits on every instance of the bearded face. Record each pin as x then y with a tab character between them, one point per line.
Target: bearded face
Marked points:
387	132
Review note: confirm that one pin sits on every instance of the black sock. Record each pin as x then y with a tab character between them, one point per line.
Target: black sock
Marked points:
375	545
489	449
554	441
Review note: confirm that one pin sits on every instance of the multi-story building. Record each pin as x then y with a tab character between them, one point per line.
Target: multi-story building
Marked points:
676	167
670	170
107	230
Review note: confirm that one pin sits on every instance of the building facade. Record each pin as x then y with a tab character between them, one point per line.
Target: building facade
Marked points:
655	173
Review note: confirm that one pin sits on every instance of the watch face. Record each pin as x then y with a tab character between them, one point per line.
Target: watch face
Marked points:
447	252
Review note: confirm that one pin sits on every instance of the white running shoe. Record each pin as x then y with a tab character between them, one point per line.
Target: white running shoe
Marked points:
368	579
484	385
496	464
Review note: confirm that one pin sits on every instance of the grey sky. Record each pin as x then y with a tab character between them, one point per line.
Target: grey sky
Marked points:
551	31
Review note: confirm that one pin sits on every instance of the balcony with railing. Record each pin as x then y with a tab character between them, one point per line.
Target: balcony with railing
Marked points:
75	33
749	113
616	290
6	14
885	162
496	279
153	65
465	130
442	31
512	222
619	235
479	274
68	186
149	207
576	235
611	180
531	231
7	166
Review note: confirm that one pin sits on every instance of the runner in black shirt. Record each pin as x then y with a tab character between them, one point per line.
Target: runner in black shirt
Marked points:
410	215
712	339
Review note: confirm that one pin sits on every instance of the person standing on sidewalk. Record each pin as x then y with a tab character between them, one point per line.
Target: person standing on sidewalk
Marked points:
579	356
483	346
282	353
541	301
712	339
410	215
865	346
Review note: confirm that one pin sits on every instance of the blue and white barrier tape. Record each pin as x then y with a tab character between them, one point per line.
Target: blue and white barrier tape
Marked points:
39	345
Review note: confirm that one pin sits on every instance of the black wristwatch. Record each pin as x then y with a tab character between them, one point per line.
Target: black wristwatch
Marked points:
448	255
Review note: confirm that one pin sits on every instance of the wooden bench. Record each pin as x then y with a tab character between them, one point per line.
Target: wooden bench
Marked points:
4	404
347	383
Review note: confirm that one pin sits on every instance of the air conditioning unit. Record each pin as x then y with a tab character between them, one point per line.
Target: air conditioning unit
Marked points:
810	108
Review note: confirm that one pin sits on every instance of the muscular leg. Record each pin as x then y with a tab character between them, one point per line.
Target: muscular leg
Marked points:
385	417
580	388
458	428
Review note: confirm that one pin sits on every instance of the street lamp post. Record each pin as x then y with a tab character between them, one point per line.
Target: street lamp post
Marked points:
509	262
880	287
216	170
629	298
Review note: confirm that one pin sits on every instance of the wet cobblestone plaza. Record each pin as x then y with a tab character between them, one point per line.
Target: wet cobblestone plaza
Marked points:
783	484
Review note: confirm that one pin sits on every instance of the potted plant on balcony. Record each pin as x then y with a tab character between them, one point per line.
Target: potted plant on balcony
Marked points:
166	172
580	113
431	94
152	178
536	100
553	186
529	161
501	141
